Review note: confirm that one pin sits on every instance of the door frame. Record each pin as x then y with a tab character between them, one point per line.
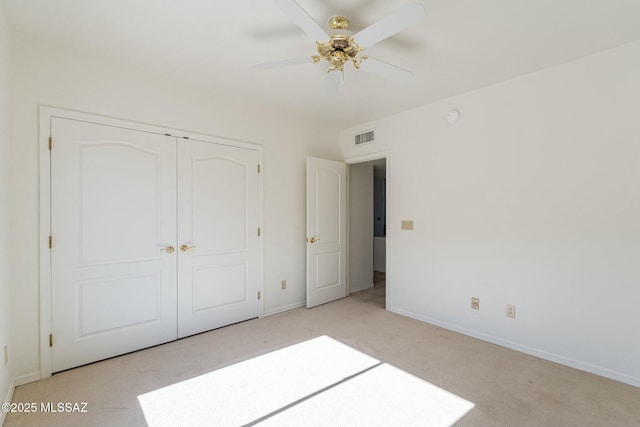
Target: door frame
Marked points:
46	113
385	154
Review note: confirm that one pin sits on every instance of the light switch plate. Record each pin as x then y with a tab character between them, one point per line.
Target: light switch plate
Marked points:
407	224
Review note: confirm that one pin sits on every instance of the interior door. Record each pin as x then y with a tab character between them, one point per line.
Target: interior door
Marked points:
326	231
218	234
113	225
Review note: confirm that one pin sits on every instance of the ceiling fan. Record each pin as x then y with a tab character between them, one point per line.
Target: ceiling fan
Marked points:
340	46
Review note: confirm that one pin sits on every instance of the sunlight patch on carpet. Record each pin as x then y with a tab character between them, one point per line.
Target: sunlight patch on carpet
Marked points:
317	382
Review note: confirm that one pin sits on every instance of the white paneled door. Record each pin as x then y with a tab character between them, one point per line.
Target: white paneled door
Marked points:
113	195
218	227
326	231
153	238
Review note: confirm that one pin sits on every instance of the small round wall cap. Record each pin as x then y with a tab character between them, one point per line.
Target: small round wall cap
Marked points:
453	116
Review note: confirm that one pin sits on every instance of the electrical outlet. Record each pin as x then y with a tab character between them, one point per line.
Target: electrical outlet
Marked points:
511	310
6	355
283	285
475	303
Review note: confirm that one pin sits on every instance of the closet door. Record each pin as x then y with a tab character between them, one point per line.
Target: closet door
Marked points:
218	220
113	226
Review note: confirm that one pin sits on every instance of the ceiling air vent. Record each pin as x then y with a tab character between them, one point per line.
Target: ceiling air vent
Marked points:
368	136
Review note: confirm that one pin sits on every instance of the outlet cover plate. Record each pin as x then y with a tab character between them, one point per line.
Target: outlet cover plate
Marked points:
406	224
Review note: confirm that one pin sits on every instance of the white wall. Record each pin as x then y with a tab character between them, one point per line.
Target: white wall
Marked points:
532	198
360	226
5	190
58	76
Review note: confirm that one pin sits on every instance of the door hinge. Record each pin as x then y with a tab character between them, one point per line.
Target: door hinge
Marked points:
258	294
50	242
50	340
258	231
50	143
258	167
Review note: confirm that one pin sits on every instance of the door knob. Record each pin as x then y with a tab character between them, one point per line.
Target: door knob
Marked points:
312	240
169	249
185	248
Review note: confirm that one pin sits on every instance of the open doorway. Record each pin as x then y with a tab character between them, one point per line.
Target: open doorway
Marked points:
367	231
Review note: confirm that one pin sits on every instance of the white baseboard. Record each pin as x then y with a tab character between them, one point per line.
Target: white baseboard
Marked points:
597	370
7	399
26	379
284	308
361	287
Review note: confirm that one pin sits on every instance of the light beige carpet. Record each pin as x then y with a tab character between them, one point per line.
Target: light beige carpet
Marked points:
507	388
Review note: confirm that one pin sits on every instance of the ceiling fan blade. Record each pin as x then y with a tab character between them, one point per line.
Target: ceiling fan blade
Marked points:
390	25
384	69
302	19
282	63
332	83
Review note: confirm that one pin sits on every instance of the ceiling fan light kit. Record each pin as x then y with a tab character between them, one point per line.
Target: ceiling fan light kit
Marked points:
343	46
340	48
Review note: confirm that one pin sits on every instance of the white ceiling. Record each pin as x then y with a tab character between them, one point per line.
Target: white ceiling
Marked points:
462	45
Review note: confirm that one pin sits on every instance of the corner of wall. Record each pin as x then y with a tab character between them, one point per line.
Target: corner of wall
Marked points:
7	399
6	382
